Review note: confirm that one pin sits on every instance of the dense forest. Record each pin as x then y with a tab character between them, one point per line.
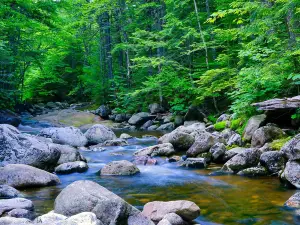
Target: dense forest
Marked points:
226	54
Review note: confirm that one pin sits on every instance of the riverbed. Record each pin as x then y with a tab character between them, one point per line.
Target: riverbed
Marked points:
223	199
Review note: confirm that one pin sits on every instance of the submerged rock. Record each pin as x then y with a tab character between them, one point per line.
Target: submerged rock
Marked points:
165	149
115	142
65	136
122	167
88	196
21	176
157	210
99	134
16	147
71	167
8	192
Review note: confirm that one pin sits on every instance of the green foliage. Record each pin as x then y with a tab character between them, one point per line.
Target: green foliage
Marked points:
212	119
220	125
278	144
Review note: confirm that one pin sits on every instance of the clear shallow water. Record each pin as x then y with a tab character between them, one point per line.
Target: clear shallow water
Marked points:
225	199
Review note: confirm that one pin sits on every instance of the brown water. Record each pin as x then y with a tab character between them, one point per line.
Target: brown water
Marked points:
223	199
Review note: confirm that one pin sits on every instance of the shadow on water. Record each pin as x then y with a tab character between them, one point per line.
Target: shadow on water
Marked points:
223	199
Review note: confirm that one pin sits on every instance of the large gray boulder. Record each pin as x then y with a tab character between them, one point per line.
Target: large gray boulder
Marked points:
165	149
8	192
291	149
246	159
16	147
252	125
21	176
67	153
87	196
217	152
99	134
157	210
181	141
204	141
71	167
122	167
140	118
65	136
293	201
103	111
273	161
6	205
292	173
232	152
235	139
266	134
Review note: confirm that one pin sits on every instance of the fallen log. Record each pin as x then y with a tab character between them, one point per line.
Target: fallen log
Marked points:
277	103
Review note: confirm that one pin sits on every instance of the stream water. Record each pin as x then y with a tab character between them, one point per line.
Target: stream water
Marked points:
223	199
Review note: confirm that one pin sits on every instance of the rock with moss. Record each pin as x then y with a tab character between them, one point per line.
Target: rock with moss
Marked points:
223	117
273	161
266	134
232	152
198	163
207	156
291	149
217	151
253	172
291	173
220	125
252	125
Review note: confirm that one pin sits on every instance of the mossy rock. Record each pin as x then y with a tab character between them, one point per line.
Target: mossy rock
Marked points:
220	125
278	144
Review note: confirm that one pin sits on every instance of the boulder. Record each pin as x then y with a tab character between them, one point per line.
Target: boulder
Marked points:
144	160
84	218
227	133
16	147
204	141
253	172
119	118
71	167
99	134
153	127
266	134
194	113
103	111
21	176
165	149
15	221
293	201
246	159
232	152
6	205
155	108
22	213
210	129
252	125
273	161
167	126
67	154
8	117
147	125
50	218
157	210
223	117
198	163
139	118
235	139
119	168
292	173
125	136
139	219
191	128
65	136
8	192
115	142
87	196
217	151
181	141
291	149
167	118
173	219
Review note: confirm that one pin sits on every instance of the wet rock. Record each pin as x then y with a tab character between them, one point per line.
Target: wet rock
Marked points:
67	153
291	149
65	136
115	142
292	173
179	140
232	152
155	108
16	147
8	192
139	219
139	118
207	156
223	117
99	134
157	210
8	117
22	213
103	111
266	134
120	168
198	163
253	172
144	160
246	159
165	149
125	136
88	196
147	125
273	161
21	176
217	151
235	139
7	205
15	221
167	126
293	201
203	143
71	167
153	127
174	158
194	113
252	125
